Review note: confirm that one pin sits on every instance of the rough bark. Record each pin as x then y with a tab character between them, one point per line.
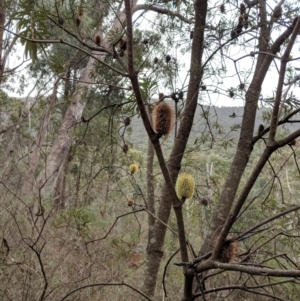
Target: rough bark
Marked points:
34	156
245	143
156	244
55	160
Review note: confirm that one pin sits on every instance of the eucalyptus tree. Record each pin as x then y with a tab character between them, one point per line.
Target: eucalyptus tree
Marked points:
138	60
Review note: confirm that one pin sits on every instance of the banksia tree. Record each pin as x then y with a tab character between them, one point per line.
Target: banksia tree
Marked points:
133	168
185	186
163	118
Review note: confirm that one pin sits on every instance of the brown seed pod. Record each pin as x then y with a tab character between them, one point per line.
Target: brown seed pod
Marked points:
242	86
77	21
125	148
127	121
233	34
163	118
222	8
173	96
203	87
277	12
239	28
180	95
130	202
231	94
155	60
161	96
168	58
242	8
61	21
98	40
229	252
261	128
292	143
204	202
83	119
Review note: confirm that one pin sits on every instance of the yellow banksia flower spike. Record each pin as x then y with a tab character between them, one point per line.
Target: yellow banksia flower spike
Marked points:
185	186
133	168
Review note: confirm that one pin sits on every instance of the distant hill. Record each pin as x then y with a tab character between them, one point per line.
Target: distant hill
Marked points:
220	118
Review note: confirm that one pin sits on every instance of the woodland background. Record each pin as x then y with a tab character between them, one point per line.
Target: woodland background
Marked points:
76	223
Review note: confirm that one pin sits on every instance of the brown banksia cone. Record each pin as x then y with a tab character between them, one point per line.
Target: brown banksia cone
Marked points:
242	86
127	121
61	21
229	252
163	115
261	128
242	8
204	202
125	148
173	96
293	142
222	8
77	21
130	202
180	95
98	40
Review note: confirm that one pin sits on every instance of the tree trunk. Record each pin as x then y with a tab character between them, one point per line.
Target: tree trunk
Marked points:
155	248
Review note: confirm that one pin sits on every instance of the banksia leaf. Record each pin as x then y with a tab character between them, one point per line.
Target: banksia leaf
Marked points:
185	186
133	168
163	118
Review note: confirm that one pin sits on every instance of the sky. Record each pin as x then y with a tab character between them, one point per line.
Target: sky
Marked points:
230	81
